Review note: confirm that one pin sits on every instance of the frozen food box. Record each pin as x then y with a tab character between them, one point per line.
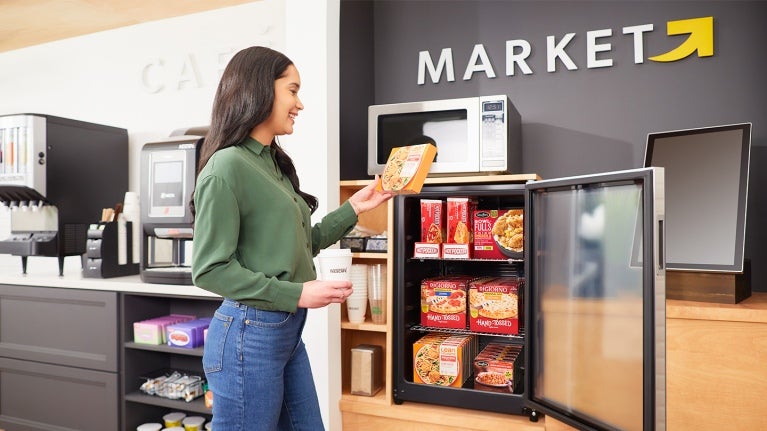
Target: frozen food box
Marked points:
432	221
497	368
406	169
443	360
495	305
432	229
443	301
498	234
458	244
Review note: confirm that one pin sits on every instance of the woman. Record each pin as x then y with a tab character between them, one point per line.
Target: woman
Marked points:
254	245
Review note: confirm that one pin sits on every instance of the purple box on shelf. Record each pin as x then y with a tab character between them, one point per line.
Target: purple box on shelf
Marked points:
188	334
153	331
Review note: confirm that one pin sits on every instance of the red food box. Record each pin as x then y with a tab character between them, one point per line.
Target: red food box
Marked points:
432	229
485	246
495	305
497	368
432	221
458	244
443	301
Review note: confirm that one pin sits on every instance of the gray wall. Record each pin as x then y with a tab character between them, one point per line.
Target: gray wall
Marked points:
574	122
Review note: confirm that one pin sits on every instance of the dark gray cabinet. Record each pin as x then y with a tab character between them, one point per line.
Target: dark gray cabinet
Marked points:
58	359
141	360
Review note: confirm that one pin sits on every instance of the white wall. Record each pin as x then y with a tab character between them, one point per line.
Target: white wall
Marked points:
157	77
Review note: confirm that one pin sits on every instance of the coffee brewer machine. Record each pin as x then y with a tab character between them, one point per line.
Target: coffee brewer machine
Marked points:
167	180
56	175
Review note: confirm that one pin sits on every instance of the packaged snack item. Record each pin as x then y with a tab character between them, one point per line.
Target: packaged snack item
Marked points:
432	229
407	167
458	244
495	305
443	301
444	360
498	234
497	368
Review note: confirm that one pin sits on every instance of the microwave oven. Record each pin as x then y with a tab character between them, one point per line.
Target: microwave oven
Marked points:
472	135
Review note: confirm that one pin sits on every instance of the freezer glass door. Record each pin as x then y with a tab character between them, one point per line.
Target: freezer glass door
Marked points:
596	309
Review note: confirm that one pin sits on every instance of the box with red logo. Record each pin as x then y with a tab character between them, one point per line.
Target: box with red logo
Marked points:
494	305
458	244
485	246
188	334
432	229
444	360
497	368
443	301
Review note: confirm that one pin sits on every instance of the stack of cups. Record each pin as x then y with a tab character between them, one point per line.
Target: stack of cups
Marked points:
377	292
357	302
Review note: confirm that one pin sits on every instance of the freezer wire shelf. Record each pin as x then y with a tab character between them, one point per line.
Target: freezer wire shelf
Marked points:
421	328
511	261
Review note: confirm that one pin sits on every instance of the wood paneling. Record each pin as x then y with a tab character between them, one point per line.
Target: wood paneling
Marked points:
32	22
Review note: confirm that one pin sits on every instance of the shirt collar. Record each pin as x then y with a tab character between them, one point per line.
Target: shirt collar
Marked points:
253	145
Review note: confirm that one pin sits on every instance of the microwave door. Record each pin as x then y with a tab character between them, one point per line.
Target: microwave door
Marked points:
595	306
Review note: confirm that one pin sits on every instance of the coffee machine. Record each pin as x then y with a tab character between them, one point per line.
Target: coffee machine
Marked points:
56	174
167	180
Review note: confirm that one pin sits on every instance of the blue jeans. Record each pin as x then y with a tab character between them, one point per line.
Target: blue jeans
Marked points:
257	367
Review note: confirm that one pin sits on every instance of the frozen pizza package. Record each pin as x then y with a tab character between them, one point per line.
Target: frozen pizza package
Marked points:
407	167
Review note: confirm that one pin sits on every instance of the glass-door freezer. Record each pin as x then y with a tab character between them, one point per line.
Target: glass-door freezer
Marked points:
592	305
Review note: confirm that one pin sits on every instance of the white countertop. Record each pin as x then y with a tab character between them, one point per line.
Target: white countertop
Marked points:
44	272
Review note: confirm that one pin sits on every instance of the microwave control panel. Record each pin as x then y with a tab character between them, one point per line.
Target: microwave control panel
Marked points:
494	140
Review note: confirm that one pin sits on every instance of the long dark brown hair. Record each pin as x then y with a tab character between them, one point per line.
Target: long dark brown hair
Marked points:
243	100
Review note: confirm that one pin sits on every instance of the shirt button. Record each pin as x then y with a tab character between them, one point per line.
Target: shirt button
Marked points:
295	199
303	224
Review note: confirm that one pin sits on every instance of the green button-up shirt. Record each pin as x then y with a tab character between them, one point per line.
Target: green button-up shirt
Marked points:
253	238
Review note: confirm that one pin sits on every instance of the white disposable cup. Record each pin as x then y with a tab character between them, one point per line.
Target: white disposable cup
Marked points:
356	308
149	427
335	264
359	278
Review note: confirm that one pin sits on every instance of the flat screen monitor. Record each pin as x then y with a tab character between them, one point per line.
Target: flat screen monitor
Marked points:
706	187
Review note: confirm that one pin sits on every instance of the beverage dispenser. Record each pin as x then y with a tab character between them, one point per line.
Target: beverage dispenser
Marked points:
56	175
167	180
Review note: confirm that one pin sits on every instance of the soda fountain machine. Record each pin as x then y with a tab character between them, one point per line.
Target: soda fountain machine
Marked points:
56	175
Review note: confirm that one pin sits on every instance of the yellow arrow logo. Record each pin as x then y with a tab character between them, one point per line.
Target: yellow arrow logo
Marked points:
701	38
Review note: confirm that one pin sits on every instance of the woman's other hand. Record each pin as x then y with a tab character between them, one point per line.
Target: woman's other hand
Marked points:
318	293
369	197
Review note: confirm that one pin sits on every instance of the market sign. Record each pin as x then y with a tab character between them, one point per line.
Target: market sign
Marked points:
700	41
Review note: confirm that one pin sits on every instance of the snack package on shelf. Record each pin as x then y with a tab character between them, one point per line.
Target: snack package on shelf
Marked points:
174	385
433	234
495	305
443	301
497	368
443	359
153	331
460	226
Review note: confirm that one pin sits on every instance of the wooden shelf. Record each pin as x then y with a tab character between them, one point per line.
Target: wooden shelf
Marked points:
381	256
365	326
